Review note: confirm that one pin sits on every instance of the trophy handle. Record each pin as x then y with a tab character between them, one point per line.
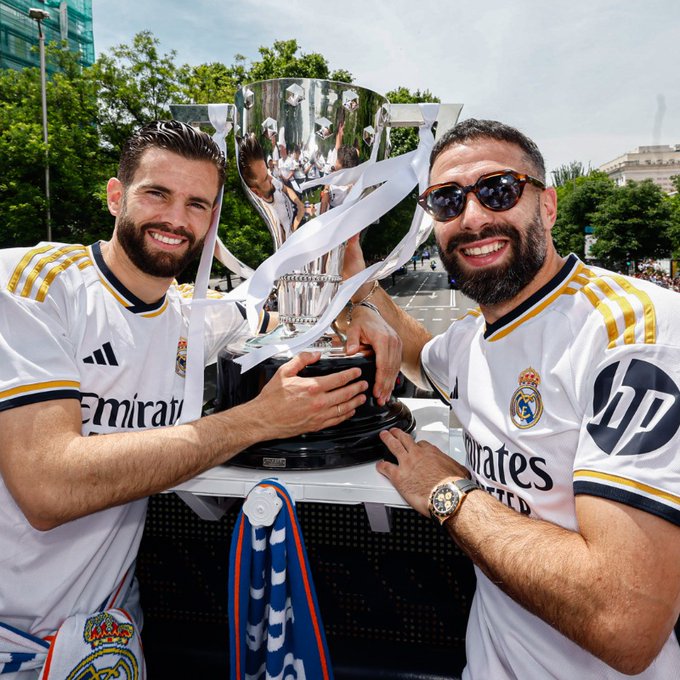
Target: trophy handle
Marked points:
410	115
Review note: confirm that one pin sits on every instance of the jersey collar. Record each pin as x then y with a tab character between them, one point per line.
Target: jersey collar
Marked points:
129	300
532	305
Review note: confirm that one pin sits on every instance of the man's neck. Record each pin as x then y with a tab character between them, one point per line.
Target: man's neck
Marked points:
552	265
147	288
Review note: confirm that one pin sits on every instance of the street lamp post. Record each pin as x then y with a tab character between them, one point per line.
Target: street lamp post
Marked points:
39	15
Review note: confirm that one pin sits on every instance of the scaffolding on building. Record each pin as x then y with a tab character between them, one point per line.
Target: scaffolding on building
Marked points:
69	20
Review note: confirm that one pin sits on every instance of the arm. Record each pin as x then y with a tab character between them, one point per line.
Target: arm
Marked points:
613	587
56	475
412	334
299	206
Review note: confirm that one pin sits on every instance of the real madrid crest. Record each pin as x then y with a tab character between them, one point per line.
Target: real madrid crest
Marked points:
526	405
181	360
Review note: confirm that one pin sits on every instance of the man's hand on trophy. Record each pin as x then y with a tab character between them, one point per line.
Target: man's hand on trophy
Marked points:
292	404
367	327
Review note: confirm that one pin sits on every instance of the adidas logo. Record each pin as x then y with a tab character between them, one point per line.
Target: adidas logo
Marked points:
103	356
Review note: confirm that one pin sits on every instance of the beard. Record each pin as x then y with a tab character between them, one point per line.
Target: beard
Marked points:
494	285
158	263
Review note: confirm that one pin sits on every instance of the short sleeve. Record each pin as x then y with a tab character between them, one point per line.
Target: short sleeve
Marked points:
38	361
435	360
629	444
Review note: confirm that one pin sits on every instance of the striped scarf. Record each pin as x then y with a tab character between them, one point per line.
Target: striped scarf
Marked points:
276	629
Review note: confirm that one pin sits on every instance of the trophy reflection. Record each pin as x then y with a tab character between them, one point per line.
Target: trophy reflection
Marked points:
291	132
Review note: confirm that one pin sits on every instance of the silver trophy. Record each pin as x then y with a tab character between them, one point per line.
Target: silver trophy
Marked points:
290	133
299	145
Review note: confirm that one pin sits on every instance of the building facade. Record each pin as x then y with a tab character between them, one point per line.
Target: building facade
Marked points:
69	20
658	163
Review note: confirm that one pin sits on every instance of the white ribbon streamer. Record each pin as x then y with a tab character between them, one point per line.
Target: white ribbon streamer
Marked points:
193	381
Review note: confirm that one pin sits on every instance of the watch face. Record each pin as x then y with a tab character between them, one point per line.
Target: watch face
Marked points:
444	500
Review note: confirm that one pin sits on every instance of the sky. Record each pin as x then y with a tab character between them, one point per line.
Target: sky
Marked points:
587	80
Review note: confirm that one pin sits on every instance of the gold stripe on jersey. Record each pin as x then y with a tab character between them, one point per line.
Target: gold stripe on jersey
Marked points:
34	271
578	278
157	312
16	274
647	306
609	320
114	292
610	300
40	387
564	289
54	272
42	263
624	481
470	312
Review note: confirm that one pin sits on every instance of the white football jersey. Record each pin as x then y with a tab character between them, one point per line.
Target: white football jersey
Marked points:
576	391
70	329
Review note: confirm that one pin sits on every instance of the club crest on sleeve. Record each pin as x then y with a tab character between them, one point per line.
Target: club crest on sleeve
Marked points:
526	405
181	361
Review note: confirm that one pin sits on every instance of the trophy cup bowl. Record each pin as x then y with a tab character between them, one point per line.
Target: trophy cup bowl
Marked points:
290	131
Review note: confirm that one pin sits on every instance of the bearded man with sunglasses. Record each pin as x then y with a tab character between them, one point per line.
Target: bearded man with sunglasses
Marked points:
566	383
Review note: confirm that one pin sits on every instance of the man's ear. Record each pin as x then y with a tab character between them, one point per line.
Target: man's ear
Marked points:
549	205
114	195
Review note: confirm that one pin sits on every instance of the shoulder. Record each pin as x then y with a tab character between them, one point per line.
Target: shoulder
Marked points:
627	310
38	273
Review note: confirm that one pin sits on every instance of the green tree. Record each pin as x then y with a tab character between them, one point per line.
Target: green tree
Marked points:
632	224
568	172
283	61
136	85
77	172
674	226
577	200
211	83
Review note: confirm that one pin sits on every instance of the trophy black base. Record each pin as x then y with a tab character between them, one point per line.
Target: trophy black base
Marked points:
352	442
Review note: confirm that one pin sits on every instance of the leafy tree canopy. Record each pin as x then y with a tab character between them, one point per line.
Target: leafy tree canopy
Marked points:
77	168
283	61
568	172
632	223
577	200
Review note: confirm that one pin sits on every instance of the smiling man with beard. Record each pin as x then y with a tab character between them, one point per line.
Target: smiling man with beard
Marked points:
94	341
566	381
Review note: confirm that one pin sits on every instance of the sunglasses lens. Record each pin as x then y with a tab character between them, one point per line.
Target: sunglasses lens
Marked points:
500	192
445	203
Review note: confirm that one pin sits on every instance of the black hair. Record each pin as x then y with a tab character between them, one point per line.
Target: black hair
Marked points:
173	136
348	156
473	129
249	152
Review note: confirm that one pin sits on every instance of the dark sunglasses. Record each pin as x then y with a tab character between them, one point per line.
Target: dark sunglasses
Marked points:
496	191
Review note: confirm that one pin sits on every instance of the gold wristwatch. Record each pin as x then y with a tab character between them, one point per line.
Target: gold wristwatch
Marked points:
447	497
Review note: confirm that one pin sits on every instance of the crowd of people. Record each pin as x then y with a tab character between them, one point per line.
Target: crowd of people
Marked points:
661	278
